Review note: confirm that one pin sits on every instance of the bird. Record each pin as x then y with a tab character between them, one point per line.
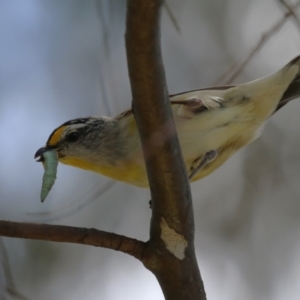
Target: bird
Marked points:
212	124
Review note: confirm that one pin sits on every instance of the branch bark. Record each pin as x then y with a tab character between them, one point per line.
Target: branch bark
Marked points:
172	214
70	234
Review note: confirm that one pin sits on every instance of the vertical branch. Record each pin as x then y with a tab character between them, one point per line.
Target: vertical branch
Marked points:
171	255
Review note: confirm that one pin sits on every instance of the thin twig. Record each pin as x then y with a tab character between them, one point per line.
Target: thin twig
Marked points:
290	9
172	16
76	206
264	38
10	286
221	79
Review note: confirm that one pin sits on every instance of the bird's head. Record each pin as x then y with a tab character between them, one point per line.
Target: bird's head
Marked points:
80	142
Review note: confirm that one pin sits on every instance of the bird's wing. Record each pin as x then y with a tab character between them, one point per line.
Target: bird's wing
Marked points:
197	101
194	102
207	96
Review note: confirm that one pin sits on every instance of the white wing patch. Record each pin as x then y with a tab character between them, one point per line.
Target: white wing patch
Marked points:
212	102
195	102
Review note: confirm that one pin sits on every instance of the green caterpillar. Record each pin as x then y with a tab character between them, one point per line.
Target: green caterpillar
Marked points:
50	163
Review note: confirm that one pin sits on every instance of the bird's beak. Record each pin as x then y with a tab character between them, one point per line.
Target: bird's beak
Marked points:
39	154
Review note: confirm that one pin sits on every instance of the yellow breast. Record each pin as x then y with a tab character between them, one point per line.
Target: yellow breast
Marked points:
129	171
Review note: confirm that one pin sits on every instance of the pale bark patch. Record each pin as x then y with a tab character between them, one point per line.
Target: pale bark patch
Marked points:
174	241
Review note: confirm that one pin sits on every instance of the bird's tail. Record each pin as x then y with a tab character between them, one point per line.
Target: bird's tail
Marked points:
293	90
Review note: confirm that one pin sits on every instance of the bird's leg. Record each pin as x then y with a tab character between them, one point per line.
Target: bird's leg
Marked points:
203	162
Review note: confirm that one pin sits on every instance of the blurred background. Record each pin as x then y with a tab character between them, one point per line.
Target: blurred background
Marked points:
65	59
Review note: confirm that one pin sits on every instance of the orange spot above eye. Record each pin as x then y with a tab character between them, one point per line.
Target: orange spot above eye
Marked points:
56	136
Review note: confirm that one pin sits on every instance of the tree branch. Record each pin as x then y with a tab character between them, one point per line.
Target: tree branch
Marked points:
68	234
170	251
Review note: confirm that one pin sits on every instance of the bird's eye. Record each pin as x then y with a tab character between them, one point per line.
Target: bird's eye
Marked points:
72	137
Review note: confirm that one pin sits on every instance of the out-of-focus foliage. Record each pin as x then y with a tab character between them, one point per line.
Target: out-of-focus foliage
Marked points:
65	59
